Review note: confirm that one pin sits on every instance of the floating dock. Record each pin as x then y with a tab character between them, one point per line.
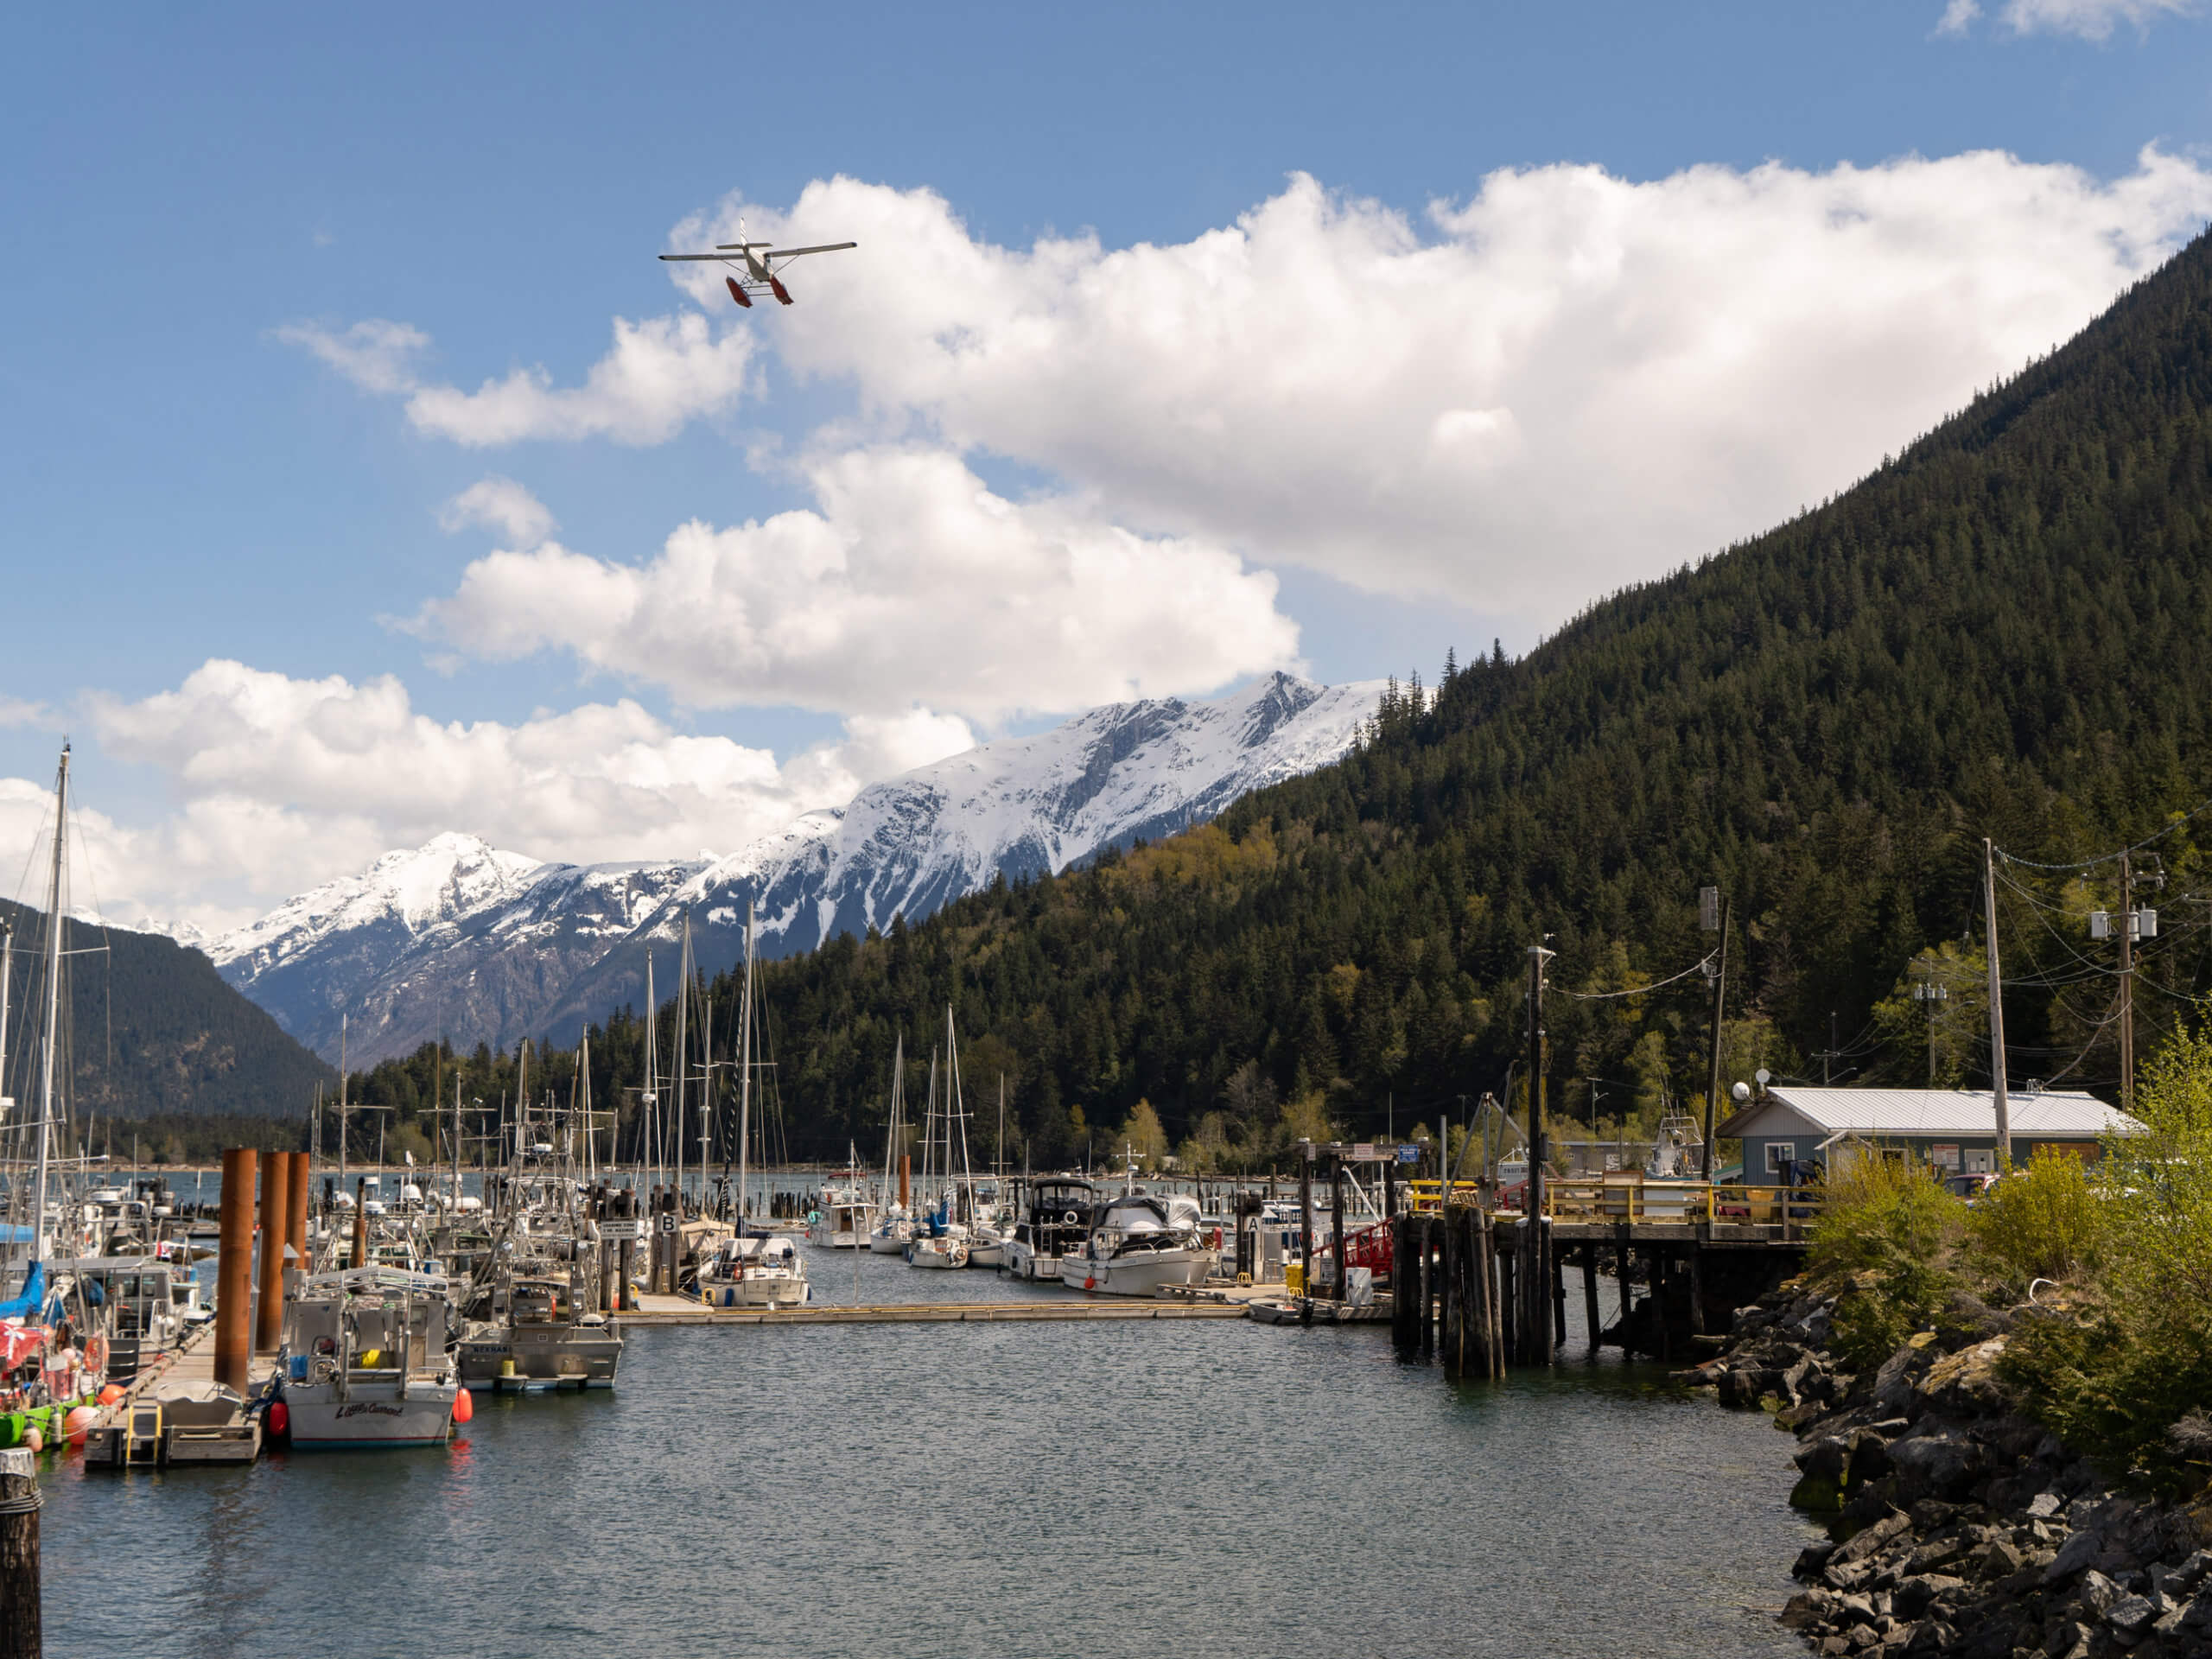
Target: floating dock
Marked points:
680	1310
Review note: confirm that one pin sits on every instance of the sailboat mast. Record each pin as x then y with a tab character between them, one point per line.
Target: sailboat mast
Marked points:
650	1150
744	1071
53	1004
898	1110
959	1115
683	1004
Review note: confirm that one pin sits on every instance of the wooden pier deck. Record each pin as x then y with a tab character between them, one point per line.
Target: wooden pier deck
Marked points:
680	1310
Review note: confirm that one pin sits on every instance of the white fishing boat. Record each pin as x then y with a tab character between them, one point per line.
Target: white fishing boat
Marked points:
1137	1243
369	1361
844	1213
754	1269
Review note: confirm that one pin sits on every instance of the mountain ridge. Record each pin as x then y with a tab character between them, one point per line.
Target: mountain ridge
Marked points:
459	939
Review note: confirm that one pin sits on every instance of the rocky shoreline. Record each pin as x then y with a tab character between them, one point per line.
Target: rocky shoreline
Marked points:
1958	1527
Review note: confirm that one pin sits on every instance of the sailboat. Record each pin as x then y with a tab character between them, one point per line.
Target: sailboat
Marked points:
48	1315
755	1267
941	1238
889	1235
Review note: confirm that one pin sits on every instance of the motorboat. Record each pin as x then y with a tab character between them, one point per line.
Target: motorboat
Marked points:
152	1302
889	1236
1060	1216
539	1339
844	1214
754	1269
369	1360
1136	1244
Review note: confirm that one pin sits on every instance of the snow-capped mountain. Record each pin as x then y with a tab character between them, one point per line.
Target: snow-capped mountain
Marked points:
460	938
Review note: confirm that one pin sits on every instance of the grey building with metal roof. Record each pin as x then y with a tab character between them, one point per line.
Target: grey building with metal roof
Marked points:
1952	1129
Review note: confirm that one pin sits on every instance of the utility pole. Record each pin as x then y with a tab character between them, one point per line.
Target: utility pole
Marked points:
1713	1075
1534	1201
2127	985
1934	995
1996	1009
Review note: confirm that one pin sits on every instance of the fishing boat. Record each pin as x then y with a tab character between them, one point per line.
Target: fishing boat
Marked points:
541	1339
844	1213
369	1360
1058	1217
1136	1244
754	1269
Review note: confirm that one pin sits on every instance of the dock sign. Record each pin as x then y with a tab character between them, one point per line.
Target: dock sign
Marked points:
1408	1153
668	1221
621	1230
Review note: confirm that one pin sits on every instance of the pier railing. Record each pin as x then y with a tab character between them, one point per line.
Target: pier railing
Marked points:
1629	1197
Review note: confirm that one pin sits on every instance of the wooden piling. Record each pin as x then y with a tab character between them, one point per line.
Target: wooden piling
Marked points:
276	1227
1427	1283
22	1635
296	1212
234	1271
1697	1286
1590	1296
1555	1271
1508	1304
1493	1333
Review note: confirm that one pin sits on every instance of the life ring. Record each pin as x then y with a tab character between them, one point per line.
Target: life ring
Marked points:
96	1352
1070	1219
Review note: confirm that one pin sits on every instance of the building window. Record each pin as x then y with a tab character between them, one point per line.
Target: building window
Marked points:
1944	1156
1779	1152
1980	1160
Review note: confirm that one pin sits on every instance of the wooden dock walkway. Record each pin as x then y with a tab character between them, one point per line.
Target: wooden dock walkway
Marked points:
679	1310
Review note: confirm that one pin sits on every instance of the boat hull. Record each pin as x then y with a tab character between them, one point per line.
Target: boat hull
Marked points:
929	1254
753	1291
1142	1274
1024	1263
554	1358
368	1415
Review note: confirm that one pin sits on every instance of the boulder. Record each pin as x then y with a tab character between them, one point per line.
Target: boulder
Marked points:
1965	1384
2130	1619
1807	1610
1872	1539
2076	1555
2097	1592
1940	1464
1912	1595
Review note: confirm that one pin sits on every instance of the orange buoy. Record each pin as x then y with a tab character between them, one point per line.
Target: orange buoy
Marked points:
1090	1284
34	1440
78	1423
464	1408
111	1393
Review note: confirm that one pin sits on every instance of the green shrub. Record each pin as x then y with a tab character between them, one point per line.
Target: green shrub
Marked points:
1883	1245
2043	1223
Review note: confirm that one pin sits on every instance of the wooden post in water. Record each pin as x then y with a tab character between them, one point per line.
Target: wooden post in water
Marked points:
1555	1270
1450	1339
1590	1296
624	1286
234	1271
276	1227
1493	1339
1509	1304
20	1632
1425	1278
1306	1231
1342	1261
296	1212
1401	1303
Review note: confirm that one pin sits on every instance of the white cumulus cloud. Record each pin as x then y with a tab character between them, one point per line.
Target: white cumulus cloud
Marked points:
281	782
1565	382
501	504
910	584
661	374
2092	20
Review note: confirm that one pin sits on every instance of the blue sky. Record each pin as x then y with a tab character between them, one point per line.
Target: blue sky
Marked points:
198	194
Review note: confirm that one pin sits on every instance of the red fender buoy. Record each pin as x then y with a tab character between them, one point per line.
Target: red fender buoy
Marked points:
464	1406
280	1419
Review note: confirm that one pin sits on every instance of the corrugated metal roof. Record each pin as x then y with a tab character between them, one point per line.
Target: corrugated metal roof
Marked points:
2065	1114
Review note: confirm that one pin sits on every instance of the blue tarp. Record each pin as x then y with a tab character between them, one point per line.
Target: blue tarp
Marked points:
26	1305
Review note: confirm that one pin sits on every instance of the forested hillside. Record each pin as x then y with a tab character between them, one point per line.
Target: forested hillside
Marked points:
151	1031
2005	631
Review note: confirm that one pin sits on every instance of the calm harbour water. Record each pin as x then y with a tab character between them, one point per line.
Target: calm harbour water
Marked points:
1194	1488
